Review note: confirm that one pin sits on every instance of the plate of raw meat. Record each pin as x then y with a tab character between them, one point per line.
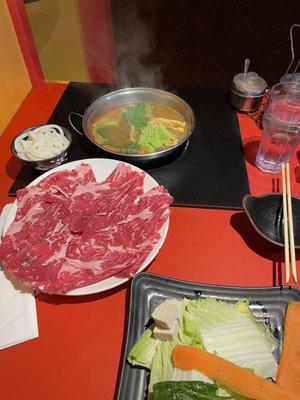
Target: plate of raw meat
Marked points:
85	227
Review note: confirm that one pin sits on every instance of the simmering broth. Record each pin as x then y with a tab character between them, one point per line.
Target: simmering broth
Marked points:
139	128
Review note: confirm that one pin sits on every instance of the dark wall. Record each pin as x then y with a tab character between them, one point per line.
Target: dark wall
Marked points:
204	42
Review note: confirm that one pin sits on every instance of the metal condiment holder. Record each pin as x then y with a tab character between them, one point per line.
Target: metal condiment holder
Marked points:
247	90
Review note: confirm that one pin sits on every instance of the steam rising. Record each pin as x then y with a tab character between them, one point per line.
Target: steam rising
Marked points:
134	45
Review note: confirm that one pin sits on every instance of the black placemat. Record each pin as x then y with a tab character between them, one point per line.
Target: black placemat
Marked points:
211	172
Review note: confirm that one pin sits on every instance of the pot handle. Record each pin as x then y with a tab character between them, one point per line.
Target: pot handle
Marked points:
71	123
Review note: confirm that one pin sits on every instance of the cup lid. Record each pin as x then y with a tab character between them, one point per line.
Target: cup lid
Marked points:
293	81
250	83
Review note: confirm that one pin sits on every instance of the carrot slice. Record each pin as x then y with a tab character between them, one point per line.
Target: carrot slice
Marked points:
238	379
288	374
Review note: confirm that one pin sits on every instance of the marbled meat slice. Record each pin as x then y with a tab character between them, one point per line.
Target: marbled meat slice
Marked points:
90	203
71	231
27	198
65	182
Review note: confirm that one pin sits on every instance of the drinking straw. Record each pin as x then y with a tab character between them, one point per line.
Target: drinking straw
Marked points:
246	66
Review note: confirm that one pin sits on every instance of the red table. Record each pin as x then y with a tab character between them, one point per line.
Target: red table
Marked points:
78	353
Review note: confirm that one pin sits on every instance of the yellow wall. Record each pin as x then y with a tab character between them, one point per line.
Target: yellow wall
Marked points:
14	79
55	25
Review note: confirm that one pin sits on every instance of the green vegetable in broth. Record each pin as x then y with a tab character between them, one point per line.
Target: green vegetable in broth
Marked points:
140	128
145	109
106	123
155	137
102	129
132	148
137	115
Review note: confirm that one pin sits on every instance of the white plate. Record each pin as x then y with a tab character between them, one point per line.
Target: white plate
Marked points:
102	168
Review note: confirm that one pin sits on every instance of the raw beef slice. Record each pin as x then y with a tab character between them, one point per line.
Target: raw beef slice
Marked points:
71	231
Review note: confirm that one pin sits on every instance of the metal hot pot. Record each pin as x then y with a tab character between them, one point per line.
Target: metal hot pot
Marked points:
127	97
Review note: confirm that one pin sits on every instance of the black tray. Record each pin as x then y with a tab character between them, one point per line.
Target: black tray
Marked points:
268	304
210	173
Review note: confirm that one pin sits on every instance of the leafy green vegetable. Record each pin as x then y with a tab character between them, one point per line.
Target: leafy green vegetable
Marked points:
131	148
106	123
154	137
144	350
162	366
144	109
232	332
191	375
190	332
102	129
192	390
138	115
156	354
229	330
101	133
133	134
227	393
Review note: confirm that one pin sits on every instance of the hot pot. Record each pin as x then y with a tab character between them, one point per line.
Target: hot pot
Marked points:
135	95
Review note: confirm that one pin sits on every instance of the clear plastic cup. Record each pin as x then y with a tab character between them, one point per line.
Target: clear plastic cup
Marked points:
281	127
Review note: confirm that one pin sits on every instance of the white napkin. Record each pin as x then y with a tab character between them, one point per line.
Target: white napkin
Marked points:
3	216
18	318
